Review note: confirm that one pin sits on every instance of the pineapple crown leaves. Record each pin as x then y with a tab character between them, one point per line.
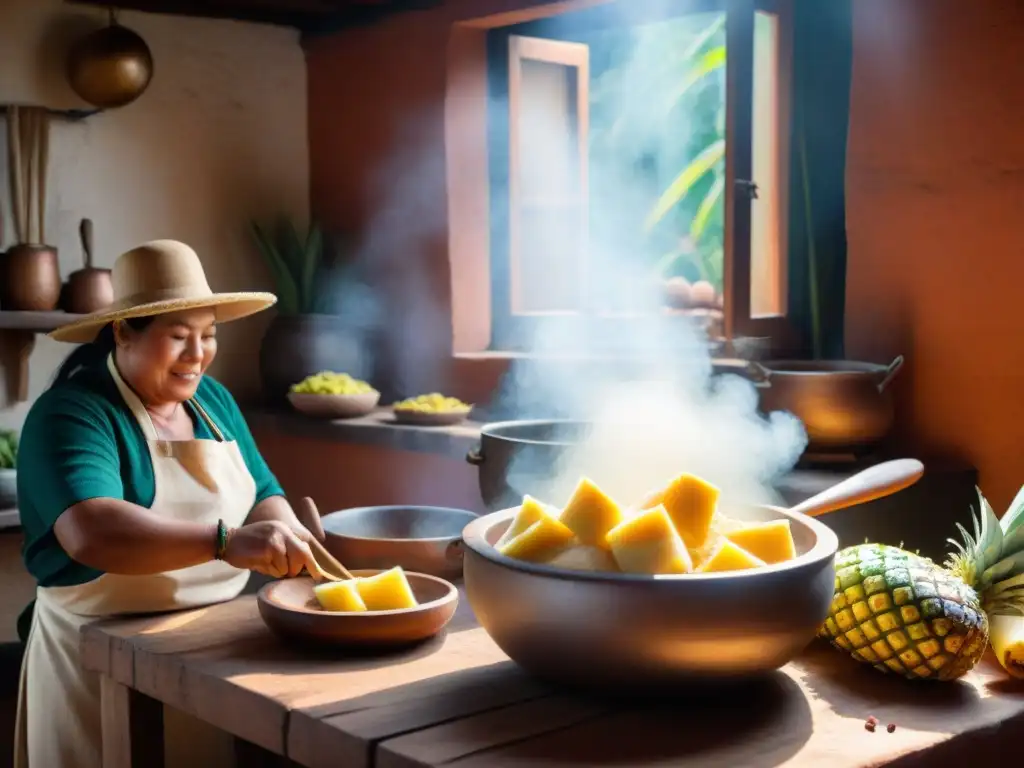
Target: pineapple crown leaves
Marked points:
992	558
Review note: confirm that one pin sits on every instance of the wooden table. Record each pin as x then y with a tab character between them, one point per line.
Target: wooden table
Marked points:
458	702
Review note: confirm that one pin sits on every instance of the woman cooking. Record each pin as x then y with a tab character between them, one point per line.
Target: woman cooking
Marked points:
140	488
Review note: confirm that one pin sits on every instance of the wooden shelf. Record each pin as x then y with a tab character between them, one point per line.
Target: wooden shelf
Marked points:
37	322
18	336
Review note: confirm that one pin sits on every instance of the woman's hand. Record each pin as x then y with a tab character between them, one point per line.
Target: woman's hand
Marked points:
270	547
277	508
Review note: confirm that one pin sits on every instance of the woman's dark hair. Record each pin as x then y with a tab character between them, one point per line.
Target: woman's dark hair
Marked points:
95	352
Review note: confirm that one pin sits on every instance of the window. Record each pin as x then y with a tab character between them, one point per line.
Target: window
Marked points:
637	164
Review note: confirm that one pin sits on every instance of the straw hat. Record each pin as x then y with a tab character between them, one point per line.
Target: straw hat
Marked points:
160	277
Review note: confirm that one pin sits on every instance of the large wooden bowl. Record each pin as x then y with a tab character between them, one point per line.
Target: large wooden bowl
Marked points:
289	609
618	632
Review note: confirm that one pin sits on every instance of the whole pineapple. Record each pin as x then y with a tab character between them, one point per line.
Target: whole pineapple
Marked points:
903	613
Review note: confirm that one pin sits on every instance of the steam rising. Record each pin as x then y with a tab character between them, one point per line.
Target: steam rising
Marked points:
645	386
653	416
654	408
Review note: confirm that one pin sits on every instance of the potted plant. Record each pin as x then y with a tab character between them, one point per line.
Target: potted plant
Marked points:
319	325
8	471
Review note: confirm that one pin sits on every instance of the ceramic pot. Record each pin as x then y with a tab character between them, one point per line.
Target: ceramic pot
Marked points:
297	346
31	278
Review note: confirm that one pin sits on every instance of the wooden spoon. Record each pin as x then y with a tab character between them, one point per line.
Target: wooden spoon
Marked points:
330	568
873	483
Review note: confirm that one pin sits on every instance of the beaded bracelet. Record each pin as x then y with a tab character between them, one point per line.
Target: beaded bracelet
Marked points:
222	539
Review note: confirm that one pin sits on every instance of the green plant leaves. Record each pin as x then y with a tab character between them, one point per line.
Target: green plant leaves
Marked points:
287	290
296	263
8	449
709	62
705	160
706	208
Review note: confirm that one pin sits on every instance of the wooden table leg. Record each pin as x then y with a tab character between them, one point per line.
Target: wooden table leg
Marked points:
248	755
133	727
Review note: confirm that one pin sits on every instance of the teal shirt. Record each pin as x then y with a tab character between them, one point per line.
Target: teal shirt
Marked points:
80	441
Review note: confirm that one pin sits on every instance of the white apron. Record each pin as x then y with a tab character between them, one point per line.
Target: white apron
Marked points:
58	724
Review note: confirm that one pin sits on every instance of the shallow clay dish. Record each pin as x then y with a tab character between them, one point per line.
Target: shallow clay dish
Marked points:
440	419
334	406
420	539
289	609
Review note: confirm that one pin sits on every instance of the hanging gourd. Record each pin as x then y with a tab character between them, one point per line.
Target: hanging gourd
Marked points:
110	67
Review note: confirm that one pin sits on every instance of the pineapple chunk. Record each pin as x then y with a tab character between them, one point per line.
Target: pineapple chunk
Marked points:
648	543
771	542
690	503
529	512
540	542
584	558
590	514
729	557
386	591
340	596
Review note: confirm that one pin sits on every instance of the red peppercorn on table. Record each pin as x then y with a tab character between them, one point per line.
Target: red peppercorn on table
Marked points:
459	702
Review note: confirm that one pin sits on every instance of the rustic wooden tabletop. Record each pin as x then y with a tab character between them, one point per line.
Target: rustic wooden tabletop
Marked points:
457	701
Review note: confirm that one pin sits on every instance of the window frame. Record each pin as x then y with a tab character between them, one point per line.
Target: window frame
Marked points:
511	333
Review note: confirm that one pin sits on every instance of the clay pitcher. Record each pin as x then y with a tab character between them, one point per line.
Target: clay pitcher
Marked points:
31	278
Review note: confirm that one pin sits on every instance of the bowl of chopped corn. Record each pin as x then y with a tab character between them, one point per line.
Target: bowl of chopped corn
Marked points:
431	410
330	395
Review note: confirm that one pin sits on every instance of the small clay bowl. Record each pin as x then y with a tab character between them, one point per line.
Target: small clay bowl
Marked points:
334	406
431	419
289	608
420	539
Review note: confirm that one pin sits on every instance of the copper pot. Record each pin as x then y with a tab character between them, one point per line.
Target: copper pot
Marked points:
845	405
31	278
89	289
110	67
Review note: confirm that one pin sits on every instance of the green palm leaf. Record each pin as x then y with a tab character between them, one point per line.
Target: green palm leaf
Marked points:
287	291
707	159
706	208
711	61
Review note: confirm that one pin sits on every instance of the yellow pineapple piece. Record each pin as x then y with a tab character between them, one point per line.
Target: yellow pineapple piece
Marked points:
648	543
529	512
590	514
771	542
540	542
386	591
699	554
340	596
690	503
583	558
729	557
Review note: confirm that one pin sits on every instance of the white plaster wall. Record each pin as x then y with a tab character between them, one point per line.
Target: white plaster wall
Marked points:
218	138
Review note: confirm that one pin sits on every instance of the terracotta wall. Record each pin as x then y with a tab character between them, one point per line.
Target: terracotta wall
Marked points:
338	476
936	191
936	197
